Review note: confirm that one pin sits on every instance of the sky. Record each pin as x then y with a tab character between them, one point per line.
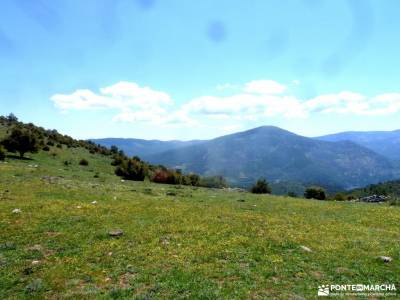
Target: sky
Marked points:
174	69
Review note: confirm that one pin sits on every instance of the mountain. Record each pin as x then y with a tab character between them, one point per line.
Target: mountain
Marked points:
280	156
143	148
386	143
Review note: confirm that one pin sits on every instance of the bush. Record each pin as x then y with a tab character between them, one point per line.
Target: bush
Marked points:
46	148
83	162
213	182
315	193
2	153
132	170
340	197
261	187
292	194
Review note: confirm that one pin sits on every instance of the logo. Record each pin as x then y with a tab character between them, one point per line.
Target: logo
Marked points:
367	290
323	290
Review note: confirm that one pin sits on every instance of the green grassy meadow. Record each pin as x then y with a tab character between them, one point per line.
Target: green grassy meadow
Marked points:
178	242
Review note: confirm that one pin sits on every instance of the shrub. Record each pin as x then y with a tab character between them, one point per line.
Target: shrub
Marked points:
50	143
340	197
59	146
46	148
132	170
160	176
83	162
261	187
213	182
315	193
292	194
2	153
21	141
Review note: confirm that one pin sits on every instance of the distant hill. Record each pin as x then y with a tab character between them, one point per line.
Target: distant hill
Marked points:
280	156
386	143
143	148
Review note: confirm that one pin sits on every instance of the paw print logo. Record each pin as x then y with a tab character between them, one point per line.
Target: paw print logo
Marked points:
323	290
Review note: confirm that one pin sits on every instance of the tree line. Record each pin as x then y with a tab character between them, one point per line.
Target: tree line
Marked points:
27	138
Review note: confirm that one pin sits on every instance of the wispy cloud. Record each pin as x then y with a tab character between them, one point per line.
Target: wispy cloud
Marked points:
252	101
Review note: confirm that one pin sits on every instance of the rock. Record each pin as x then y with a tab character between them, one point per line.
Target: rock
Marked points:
164	240
16	211
7	246
115	233
385	259
35	262
27	271
131	269
306	248
35	286
35	248
79	206
94	202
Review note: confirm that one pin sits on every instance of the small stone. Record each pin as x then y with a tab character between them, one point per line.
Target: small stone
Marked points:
27	271
122	180
385	259
79	206
115	233
94	202
35	248
35	286
306	248
35	262
16	211
8	246
109	253
164	240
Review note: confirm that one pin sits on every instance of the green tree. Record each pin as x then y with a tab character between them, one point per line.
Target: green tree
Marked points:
261	187
2	153
21	141
315	192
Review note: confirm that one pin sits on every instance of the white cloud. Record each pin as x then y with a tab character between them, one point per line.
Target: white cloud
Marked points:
265	87
255	100
134	103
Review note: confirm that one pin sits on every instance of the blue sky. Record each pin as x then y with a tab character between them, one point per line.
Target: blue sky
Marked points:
199	69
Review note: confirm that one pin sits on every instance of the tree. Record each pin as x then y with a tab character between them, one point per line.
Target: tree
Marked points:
315	192
2	153
194	179
261	187
11	118
21	141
